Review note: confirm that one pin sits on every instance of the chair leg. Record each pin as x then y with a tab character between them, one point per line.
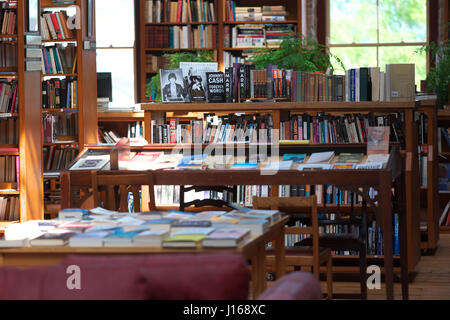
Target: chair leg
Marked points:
330	278
363	272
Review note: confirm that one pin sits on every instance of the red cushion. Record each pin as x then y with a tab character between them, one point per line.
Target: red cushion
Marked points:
50	283
217	276
294	286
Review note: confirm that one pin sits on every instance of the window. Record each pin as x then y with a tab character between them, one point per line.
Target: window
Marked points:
365	33
115	44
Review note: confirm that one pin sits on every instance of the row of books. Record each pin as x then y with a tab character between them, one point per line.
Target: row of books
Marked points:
9	168
155	62
344	128
264	13
54	26
60	93
179	11
8	55
9	209
8	20
181	37
57	158
9	131
134	130
100	227
9	99
59	59
324	128
60	127
397	83
257	35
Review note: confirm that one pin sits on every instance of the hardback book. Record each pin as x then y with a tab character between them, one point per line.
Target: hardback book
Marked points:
278	165
245	165
91	163
192	161
151	238
194	75
313	166
191	224
149	215
349	158
215	83
16	243
378	157
296	157
320	157
121	238
159	224
183	240
257	226
219	162
229	84
400	82
369	166
72	214
89	239
52	239
378	140
173	88
193	230
226	237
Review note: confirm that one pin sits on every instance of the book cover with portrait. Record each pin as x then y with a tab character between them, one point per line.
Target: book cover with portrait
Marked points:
173	88
378	140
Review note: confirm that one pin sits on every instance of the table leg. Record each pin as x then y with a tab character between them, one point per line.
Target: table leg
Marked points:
258	271
280	255
386	213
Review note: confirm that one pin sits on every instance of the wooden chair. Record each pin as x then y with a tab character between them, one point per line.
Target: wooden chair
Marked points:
313	256
108	189
347	242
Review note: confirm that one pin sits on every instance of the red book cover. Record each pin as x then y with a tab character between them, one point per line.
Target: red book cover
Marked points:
18	173
8	150
13	104
280	82
56	26
179	9
173	130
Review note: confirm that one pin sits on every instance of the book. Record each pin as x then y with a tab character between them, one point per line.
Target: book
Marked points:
183	240
400	82
257	226
295	157
52	239
159	224
215	84
278	165
151	238
245	165
343	166
91	163
143	160
72	214
320	157
226	237
193	230
121	238
313	166
16	243
349	158
191	224
173	88
194	75
89	239
378	140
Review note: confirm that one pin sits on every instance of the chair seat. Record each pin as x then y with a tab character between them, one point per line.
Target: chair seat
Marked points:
297	251
336	242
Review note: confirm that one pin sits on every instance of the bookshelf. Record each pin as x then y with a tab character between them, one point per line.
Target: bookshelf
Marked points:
78	109
221	25
443	121
22	124
120	122
409	152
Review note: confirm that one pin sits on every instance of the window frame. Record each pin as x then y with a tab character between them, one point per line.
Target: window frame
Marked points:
378	44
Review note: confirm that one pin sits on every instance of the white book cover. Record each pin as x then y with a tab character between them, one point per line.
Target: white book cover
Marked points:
193	231
382	86
313	166
194	75
375	78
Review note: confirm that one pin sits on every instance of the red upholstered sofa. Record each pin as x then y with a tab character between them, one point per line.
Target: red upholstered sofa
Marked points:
156	277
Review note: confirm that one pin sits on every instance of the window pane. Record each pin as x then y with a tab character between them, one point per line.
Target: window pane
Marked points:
355	57
120	63
404	55
404	20
353	21
114	23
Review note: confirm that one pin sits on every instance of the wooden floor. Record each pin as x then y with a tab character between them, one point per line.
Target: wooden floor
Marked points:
432	280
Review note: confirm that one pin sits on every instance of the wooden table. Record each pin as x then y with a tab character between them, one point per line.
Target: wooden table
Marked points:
253	249
353	180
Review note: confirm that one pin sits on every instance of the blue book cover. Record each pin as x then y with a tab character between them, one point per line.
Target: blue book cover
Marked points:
396	238
160	221
352	84
192	160
297	158
245	165
59	68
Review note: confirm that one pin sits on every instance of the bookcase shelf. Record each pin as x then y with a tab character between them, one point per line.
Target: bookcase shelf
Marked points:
178	49
262	22
85	75
178	23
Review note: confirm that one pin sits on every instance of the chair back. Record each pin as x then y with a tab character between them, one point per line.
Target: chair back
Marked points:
110	188
296	204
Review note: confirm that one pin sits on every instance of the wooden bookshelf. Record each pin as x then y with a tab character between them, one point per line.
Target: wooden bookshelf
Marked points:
87	86
410	149
293	8
443	120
